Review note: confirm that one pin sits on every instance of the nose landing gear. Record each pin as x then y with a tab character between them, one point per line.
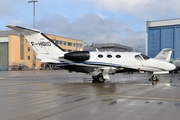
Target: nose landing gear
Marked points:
154	80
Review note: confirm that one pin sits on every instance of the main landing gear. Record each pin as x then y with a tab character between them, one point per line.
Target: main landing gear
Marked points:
154	80
98	79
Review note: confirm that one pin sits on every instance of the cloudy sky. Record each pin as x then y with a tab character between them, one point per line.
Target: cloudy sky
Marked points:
93	21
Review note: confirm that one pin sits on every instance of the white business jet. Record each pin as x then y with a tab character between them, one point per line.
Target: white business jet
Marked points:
97	64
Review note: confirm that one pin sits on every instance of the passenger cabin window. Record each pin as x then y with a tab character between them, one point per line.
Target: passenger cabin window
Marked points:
109	56
100	56
118	56
138	57
145	57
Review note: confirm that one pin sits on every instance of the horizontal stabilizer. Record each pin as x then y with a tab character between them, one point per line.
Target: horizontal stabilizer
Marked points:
23	30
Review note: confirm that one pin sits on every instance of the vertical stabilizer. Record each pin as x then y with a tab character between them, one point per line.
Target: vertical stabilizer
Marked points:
164	54
45	48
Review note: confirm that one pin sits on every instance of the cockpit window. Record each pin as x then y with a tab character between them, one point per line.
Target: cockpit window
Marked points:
138	57
145	57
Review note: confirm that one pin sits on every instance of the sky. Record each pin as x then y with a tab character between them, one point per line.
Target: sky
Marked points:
92	21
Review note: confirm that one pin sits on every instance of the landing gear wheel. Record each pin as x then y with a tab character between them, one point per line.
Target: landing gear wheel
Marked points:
101	79
154	80
98	79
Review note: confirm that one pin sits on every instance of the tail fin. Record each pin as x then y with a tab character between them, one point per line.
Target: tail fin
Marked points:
41	44
164	54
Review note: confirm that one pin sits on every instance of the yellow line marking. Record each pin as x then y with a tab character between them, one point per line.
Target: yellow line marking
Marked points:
102	95
2	78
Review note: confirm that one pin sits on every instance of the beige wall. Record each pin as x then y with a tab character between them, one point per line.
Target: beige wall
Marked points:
75	43
16	50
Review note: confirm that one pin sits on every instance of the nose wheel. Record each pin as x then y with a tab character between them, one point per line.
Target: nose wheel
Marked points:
154	80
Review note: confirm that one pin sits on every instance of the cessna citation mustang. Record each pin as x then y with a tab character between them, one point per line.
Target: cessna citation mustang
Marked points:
97	64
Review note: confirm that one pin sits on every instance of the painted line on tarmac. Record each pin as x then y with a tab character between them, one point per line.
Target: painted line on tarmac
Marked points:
1	78
102	95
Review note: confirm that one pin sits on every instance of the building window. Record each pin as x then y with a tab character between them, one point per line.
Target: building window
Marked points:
56	42
29	58
79	45
69	44
60	42
74	44
28	49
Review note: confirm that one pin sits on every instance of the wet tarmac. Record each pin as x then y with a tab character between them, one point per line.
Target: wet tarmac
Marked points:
59	95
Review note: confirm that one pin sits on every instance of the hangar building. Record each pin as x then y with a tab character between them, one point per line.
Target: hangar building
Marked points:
15	50
3	53
163	34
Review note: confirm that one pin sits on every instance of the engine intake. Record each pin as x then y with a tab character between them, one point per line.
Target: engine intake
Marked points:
77	56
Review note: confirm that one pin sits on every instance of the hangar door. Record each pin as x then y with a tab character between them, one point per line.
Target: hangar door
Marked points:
3	56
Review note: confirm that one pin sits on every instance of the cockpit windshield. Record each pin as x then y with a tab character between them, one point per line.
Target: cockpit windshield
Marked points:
145	57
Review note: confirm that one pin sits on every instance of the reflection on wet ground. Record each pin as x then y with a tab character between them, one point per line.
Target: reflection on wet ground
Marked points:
59	95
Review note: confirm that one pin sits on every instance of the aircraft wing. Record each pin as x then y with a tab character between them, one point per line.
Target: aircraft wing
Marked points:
94	66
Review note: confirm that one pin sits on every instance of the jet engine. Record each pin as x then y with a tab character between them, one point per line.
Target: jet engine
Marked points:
77	56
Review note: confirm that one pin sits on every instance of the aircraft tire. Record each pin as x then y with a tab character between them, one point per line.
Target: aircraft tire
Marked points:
98	79
101	79
154	80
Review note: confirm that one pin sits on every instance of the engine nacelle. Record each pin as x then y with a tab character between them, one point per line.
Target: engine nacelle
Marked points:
77	56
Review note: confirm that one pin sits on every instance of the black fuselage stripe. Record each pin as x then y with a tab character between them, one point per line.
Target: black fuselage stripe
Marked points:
52	42
27	29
